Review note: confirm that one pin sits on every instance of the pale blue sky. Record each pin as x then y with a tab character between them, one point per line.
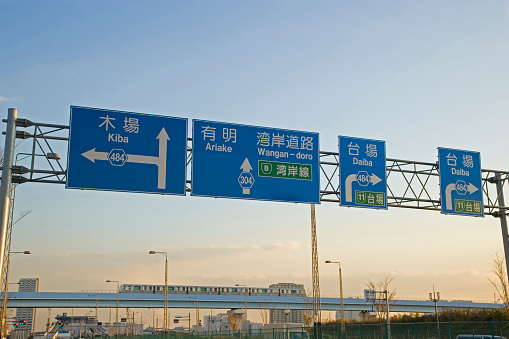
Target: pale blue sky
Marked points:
417	74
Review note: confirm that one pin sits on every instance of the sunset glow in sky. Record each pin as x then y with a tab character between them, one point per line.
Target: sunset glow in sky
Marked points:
417	74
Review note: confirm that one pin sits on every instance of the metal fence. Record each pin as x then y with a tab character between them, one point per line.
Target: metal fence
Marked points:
442	330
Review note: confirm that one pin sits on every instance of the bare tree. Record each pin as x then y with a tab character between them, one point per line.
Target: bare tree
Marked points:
500	280
264	314
382	285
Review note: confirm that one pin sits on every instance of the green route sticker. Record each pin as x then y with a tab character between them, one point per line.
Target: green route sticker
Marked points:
286	170
467	206
370	198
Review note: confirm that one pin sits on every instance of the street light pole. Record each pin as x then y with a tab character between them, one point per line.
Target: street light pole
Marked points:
3	319
165	288
435	296
244	325
116	311
197	314
340	292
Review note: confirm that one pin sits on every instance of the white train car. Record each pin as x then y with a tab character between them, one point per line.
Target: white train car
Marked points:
216	290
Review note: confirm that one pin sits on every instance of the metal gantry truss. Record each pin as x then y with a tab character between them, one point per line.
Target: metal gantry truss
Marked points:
413	184
410	184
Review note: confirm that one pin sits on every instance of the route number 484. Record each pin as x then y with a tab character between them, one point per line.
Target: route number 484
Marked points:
117	157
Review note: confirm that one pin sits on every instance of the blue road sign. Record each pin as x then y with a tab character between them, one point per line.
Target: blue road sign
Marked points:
124	151
362	177
460	182
249	162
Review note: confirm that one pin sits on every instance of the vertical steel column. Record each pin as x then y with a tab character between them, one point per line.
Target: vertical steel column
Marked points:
5	189
5	195
503	218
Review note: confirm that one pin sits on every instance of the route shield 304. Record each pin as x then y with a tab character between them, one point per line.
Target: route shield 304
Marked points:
362	177
124	151
250	162
460	182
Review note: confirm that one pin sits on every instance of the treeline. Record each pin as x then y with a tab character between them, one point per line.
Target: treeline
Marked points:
443	316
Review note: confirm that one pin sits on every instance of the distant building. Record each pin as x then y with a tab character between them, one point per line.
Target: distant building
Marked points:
287	316
28	314
216	323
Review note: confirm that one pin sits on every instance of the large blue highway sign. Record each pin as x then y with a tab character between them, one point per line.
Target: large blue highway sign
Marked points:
362	177
249	162
460	182
124	151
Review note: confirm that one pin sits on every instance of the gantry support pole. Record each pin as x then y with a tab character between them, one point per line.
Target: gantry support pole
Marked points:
5	192
503	219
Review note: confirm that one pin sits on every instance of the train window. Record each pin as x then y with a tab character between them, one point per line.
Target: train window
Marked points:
294	291
234	289
150	288
170	288
215	289
265	290
136	288
203	289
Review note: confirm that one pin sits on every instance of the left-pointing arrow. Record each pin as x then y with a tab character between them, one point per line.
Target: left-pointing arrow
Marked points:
160	160
92	155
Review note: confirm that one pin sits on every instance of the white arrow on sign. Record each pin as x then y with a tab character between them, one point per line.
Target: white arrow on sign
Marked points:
452	187
246	168
160	160
373	179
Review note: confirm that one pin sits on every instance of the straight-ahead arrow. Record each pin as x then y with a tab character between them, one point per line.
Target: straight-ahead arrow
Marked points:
246	166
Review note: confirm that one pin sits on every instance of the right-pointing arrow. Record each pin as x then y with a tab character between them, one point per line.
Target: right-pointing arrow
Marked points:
374	179
471	188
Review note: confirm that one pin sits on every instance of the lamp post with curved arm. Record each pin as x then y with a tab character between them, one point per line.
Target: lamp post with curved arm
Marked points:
118	290
244	325
3	319
165	288
340	292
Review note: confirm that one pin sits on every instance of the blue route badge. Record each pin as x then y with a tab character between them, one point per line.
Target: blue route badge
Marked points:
460	182
124	151
362	176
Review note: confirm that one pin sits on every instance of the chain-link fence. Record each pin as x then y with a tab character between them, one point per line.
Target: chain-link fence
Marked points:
443	330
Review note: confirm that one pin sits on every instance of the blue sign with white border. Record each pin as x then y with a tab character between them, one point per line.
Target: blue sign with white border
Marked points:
362	178
251	162
125	151
460	182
